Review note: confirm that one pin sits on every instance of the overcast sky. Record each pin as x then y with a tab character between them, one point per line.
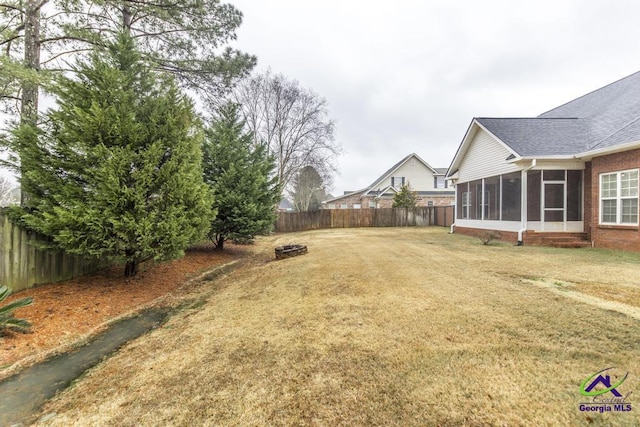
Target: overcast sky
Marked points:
408	76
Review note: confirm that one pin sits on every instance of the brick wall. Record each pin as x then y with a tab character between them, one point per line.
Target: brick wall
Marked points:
506	236
617	237
588	200
349	199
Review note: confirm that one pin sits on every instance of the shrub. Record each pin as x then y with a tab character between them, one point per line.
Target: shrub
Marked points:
7	320
487	237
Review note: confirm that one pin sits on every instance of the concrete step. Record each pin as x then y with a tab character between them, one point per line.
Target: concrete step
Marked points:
557	239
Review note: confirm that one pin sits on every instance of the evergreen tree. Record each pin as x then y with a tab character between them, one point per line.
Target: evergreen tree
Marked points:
405	198
116	171
240	174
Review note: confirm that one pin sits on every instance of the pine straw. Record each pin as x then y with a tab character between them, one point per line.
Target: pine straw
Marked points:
66	314
375	327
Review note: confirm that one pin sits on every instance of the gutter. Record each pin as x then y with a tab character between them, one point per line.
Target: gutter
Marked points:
524	211
453	181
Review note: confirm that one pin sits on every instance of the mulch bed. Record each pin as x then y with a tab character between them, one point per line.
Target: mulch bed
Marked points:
68	312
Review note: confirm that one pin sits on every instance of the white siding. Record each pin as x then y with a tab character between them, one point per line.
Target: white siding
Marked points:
420	178
485	157
418	175
489	225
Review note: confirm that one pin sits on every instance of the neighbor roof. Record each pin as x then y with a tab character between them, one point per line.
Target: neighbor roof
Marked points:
395	167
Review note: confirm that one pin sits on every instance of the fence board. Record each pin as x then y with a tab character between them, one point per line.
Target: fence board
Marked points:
23	266
353	218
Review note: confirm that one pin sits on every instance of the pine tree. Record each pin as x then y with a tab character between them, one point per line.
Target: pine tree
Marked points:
116	172
241	177
405	198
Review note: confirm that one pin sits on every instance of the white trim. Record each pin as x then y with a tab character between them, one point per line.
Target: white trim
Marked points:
558	164
588	155
618	198
489	225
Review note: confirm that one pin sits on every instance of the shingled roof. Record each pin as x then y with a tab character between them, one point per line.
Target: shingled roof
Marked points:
540	137
604	118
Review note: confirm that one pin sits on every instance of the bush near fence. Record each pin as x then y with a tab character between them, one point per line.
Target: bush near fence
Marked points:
23	266
352	218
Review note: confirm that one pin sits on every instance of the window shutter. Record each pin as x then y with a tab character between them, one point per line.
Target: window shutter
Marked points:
403	180
392	181
435	182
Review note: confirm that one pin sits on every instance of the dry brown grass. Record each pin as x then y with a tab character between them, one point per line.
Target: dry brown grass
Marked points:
377	327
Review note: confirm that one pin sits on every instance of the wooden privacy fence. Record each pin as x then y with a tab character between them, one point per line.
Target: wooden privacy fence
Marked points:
22	265
352	218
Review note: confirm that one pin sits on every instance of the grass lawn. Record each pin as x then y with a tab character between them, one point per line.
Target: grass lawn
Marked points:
382	327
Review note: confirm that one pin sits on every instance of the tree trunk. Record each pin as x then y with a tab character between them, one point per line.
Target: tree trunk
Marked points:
219	242
126	18
29	101
131	268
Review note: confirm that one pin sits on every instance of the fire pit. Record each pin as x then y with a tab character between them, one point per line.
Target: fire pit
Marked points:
287	251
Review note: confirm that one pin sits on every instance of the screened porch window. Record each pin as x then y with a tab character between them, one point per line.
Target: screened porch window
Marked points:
511	197
619	198
462	201
492	198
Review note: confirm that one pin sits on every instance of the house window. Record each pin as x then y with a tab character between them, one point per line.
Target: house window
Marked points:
343	206
439	182
619	197
462	201
397	181
332	205
466	204
430	203
357	206
372	204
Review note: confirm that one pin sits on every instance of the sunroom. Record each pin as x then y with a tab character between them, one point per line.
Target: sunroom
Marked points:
546	200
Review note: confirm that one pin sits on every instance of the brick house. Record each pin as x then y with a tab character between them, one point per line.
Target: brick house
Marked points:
429	184
567	176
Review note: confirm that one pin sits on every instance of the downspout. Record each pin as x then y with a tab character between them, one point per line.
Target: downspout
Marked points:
524	208
455	208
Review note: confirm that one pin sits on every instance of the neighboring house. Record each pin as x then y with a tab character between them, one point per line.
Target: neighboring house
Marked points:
571	172
285	205
428	183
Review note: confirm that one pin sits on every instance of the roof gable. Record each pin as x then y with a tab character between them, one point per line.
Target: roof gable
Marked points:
467	142
388	191
397	166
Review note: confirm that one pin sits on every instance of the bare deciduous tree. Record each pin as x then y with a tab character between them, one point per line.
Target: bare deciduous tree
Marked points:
8	195
292	121
308	190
